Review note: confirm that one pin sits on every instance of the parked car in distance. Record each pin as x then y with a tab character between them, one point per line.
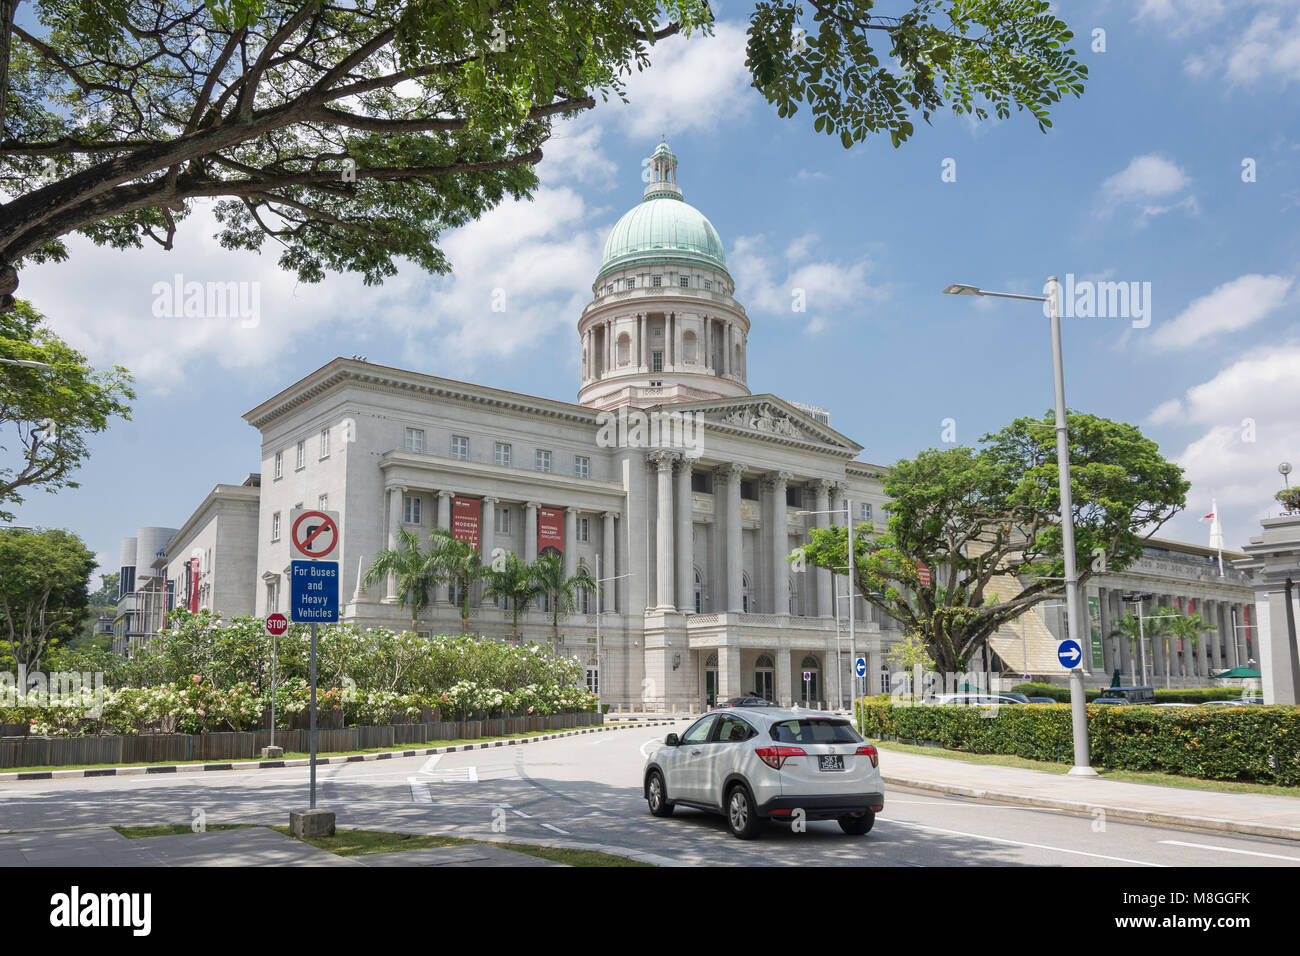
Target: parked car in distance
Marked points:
1235	702
746	701
1032	700
1126	695
757	764
979	700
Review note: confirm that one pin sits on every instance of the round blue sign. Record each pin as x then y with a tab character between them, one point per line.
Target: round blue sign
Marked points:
1069	654
860	665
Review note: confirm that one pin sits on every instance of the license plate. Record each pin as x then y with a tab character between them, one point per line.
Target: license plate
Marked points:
830	762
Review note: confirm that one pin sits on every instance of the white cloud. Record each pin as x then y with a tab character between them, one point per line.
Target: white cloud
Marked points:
1231	307
535	258
1246	419
778	285
693	83
1145	177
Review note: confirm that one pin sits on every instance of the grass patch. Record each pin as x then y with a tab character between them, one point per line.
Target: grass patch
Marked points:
174	829
1130	776
363	842
571	857
290	754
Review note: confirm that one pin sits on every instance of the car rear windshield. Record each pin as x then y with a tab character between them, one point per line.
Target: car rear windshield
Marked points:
815	730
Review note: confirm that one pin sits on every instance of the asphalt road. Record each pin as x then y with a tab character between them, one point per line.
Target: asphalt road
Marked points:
587	789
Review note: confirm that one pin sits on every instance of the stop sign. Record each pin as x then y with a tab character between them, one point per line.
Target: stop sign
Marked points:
276	624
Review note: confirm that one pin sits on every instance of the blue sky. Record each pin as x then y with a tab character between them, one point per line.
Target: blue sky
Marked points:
1141	180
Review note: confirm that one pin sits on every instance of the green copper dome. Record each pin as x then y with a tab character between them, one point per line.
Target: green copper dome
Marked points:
663	228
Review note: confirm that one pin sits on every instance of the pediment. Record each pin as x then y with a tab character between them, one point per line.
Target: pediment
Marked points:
770	416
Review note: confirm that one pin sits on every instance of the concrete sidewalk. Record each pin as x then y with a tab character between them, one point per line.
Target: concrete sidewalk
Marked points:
1255	814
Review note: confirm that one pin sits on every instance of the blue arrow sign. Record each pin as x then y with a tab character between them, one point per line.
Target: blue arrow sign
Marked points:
1069	654
860	666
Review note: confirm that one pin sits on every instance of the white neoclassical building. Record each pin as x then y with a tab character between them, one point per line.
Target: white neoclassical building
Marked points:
669	479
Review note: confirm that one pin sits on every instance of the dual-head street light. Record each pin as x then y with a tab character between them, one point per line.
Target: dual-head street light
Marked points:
1078	709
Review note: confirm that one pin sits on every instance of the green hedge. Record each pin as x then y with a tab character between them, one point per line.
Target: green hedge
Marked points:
1249	743
1187	695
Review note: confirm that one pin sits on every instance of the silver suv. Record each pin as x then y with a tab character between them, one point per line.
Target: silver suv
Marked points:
768	763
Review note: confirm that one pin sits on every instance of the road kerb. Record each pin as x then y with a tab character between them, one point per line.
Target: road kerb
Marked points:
1133	814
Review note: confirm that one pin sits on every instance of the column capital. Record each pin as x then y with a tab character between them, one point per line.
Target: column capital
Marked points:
401	488
532	505
573	510
729	472
684	464
443	493
823	486
778	480
663	460
612	515
489	499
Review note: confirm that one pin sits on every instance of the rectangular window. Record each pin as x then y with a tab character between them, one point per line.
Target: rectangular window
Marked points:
709	285
749	491
700	482
864	514
684	282
279	467
543	460
884	675
459	446
658	281
503	521
502	456
657	365
275	528
582	468
302	456
631	284
414	440
325	446
792	500
411	509
583	529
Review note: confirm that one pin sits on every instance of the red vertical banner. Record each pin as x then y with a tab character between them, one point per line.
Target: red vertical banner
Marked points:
550	531
464	520
194	585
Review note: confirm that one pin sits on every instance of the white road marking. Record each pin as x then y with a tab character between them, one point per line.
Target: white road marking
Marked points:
556	829
528	816
656	741
1036	846
453	775
1228	849
419	790
433	761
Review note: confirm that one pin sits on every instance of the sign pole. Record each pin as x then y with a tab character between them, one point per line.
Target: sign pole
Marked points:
312	725
274	642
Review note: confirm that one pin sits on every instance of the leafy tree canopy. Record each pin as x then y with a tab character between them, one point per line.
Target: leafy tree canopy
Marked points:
351	134
43	590
986	524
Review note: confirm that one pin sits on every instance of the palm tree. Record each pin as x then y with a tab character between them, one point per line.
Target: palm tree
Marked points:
1130	628
513	581
1188	627
417	574
562	592
1166	621
457	562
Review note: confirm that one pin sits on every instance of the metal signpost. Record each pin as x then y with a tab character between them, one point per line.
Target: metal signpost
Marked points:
313	591
276	624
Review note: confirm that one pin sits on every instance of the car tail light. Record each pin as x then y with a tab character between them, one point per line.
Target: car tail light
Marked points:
866	750
776	756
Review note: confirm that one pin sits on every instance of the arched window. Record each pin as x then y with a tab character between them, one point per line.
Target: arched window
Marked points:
689	349
712	659
744	591
585	600
699	591
764	660
765	677
795	607
624	349
810	662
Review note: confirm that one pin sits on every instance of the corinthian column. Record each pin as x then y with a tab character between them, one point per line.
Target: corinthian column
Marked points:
822	488
779	482
685	542
663	462
729	476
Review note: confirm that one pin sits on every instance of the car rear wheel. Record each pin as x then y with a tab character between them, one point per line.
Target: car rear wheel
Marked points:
742	820
858	825
656	797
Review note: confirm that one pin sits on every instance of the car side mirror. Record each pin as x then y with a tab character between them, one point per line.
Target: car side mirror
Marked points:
672	740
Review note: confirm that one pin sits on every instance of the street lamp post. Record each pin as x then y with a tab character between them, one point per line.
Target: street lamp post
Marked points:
1078	708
